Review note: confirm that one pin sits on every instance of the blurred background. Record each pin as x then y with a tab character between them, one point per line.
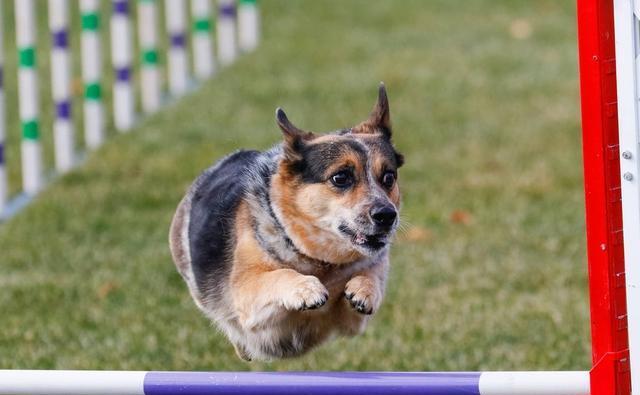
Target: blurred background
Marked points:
488	273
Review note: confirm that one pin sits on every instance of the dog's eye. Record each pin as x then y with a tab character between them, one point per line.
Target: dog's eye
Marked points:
388	179
342	179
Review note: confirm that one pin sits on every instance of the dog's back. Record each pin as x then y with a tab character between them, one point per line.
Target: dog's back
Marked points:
201	233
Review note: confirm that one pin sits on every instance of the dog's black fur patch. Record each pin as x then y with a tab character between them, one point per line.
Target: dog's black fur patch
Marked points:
319	157
218	192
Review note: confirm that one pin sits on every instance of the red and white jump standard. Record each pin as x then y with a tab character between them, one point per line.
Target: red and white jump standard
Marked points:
608	42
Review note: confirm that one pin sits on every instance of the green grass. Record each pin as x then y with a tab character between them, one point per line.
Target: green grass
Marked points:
490	272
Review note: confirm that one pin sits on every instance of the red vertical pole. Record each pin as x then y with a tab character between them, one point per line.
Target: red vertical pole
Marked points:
610	354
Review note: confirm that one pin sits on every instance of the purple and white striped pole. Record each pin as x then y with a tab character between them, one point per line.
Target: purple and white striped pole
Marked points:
4	183
52	382
226	32
121	56
61	84
175	16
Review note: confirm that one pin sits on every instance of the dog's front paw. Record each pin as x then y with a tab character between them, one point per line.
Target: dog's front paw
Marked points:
306	293
363	294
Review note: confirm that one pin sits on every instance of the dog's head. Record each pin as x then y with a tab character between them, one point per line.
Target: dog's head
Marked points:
337	194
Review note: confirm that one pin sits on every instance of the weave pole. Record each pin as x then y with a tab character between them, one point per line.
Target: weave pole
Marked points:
4	183
150	83
175	16
52	382
32	179
91	73
121	57
226	32
61	84
248	25
203	59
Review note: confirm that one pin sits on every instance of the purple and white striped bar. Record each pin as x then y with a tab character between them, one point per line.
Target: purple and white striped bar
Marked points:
176	19
122	56
61	84
54	382
226	32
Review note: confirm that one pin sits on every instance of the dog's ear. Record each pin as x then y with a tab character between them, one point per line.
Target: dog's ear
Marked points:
294	138
380	119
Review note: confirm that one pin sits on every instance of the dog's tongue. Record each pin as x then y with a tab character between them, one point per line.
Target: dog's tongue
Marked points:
360	238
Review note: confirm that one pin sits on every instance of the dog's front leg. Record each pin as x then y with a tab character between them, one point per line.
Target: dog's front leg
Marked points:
261	296
365	290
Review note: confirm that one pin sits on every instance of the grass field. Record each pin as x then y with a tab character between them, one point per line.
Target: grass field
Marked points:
490	272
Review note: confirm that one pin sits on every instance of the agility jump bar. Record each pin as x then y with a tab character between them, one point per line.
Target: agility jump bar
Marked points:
86	382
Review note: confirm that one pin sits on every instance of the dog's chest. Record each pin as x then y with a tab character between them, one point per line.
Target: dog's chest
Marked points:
334	278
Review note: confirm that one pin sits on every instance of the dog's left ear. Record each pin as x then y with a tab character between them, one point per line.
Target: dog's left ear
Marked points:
294	138
380	119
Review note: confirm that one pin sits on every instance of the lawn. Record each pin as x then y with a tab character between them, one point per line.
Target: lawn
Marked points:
490	269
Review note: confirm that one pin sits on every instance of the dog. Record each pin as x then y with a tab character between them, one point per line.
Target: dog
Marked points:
287	248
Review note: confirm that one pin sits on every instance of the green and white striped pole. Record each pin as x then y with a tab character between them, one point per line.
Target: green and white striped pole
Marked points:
150	86
32	179
203	60
61	84
248	25
92	73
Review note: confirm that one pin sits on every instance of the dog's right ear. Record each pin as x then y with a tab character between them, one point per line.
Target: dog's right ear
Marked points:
294	138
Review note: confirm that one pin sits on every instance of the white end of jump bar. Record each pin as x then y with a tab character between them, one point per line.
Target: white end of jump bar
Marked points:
67	382
628	89
534	383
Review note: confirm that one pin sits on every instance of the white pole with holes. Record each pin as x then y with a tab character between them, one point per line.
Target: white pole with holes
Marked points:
626	15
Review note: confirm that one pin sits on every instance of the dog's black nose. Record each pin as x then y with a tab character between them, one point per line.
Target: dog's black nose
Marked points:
384	215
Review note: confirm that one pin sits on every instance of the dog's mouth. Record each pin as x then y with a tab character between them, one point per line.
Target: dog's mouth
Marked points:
372	242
